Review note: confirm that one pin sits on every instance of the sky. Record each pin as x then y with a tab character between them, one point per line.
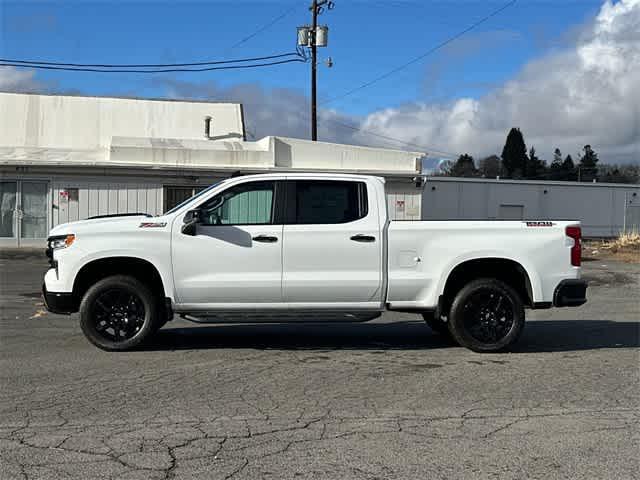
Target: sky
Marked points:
564	71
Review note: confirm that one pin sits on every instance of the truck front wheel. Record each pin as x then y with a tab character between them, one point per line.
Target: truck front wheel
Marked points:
487	315
118	313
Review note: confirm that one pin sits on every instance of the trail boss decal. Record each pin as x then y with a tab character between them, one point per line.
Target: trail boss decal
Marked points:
540	224
153	224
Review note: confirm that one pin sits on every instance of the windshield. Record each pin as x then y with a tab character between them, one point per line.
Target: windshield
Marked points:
200	193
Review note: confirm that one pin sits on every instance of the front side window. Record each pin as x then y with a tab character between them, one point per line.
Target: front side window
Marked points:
245	204
329	202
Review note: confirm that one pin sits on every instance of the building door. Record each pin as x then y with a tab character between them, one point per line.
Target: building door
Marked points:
511	212
8	213
23	212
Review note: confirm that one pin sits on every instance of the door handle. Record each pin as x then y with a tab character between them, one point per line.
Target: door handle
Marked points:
265	239
363	238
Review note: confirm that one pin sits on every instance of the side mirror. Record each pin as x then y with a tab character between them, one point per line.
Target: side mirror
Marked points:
191	219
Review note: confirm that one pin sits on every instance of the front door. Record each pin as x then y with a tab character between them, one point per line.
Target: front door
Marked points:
23	212
235	257
332	250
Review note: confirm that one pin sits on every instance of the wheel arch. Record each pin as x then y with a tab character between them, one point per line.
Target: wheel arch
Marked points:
508	270
139	268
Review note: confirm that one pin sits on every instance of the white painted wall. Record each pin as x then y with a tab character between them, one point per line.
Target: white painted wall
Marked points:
305	154
89	123
192	154
46	130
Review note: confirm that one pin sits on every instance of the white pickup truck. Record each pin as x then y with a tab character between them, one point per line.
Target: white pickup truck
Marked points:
307	248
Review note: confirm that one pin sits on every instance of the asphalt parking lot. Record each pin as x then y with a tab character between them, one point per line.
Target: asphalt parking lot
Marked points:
387	399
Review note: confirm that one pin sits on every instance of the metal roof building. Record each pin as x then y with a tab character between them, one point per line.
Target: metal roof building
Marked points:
605	209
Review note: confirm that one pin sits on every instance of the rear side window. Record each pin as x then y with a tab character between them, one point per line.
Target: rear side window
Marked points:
329	202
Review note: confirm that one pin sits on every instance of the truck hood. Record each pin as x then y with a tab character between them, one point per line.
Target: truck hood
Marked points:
104	224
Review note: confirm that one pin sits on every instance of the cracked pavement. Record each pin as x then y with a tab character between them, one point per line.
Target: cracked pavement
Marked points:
386	399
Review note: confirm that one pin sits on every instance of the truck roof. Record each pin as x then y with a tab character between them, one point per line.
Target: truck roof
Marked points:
319	175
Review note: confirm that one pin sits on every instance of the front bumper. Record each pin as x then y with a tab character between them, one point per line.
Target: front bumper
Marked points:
63	303
570	293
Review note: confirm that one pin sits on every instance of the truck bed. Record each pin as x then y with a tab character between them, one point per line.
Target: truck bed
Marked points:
422	255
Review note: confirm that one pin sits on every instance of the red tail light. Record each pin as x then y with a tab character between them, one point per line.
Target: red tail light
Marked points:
575	232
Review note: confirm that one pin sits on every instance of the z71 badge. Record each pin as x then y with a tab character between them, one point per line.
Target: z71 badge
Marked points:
153	224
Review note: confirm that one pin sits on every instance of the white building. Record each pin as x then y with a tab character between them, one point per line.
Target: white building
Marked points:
604	209
64	158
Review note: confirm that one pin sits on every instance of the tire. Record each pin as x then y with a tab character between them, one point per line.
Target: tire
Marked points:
436	324
119	313
439	327
161	323
487	315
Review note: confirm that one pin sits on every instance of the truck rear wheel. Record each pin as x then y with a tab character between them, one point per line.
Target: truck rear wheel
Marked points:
437	325
118	313
487	315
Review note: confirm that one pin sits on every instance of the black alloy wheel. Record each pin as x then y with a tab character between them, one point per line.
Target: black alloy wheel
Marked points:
486	315
119	313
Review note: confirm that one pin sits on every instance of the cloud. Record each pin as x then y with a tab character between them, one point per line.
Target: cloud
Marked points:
18	80
585	94
276	111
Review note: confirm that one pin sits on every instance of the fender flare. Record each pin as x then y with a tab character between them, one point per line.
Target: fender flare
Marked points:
166	277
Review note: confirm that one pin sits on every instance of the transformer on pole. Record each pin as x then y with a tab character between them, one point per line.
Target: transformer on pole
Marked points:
314	36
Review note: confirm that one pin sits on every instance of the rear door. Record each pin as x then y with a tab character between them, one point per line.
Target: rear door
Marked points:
332	245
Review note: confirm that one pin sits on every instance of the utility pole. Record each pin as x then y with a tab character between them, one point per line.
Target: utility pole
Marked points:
314	70
314	37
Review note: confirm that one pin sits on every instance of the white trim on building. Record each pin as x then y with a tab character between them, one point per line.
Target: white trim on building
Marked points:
99	155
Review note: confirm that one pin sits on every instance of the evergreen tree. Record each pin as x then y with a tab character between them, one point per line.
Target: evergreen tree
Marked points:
514	154
556	166
535	168
464	167
587	168
568	171
490	167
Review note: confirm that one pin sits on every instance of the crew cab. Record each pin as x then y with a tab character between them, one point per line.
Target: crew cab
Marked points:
296	247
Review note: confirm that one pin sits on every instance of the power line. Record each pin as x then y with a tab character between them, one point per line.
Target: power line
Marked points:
375	134
264	27
171	70
386	137
171	67
420	57
104	70
147	65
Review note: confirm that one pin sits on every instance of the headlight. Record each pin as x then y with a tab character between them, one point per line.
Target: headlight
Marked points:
61	241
